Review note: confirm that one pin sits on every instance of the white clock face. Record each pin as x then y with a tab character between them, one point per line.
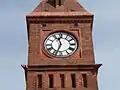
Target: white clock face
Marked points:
60	44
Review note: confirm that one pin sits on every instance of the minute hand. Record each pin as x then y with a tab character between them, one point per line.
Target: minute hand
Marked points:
59	46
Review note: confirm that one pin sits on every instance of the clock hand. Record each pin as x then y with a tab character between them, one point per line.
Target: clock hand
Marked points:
58	46
58	39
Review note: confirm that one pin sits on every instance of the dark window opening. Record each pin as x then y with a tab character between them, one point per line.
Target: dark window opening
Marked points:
40	81
46	10
75	24
84	76
52	2
43	25
51	81
73	80
59	2
72	10
62	78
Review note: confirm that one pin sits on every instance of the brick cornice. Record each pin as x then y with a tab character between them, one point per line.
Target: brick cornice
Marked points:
64	67
60	19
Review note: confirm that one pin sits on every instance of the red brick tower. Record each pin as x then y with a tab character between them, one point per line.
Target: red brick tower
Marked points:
60	53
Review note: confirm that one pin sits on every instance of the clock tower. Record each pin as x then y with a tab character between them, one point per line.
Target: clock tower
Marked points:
60	47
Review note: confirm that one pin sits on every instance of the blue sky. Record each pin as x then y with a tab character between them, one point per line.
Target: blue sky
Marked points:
13	41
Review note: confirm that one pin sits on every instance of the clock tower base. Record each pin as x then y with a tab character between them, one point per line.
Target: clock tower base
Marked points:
62	77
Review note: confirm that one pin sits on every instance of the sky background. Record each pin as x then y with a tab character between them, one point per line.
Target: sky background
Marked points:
13	41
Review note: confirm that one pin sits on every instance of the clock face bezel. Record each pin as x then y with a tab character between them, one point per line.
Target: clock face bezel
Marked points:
66	33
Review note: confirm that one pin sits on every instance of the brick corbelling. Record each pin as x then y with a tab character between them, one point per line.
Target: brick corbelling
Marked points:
59	19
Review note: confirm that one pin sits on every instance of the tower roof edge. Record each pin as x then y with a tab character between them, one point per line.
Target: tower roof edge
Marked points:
63	7
45	14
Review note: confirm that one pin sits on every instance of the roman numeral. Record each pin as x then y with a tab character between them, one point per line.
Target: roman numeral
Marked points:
70	40
55	36
60	35
67	52
55	52
72	44
50	40
60	54
70	48
66	37
49	49
48	44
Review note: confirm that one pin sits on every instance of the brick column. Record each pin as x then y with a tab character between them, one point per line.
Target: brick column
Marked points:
45	80
68	81
78	80
57	82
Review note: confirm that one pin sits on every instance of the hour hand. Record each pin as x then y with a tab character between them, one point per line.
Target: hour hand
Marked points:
59	45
